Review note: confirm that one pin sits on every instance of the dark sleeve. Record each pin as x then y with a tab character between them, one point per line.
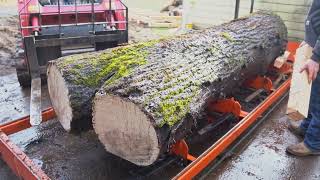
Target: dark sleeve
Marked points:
316	52
314	16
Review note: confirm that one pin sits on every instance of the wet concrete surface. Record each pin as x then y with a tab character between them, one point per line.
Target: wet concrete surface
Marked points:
14	100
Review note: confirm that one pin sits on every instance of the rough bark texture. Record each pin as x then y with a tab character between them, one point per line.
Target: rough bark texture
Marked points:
73	80
171	89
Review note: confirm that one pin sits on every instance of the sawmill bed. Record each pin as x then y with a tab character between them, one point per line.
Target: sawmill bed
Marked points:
63	156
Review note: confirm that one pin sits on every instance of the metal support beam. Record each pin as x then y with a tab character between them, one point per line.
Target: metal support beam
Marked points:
79	40
15	158
18	161
236	10
251	6
32	57
24	123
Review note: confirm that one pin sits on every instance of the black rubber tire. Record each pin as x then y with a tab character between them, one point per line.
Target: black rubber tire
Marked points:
105	45
24	77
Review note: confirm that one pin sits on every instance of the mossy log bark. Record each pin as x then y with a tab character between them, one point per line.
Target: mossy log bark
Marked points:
138	117
73	80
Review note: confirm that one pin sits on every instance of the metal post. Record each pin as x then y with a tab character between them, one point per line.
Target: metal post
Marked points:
76	9
59	17
33	63
92	15
236	11
110	13
252	6
127	24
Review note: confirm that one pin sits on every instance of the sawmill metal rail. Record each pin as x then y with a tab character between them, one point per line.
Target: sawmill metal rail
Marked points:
15	158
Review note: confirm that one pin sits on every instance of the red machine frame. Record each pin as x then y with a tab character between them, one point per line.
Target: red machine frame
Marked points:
24	168
73	14
48	30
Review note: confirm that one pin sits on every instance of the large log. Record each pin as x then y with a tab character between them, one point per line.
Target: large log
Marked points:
139	116
73	81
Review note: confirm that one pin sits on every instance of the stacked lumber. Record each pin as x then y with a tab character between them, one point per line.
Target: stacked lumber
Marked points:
150	95
151	19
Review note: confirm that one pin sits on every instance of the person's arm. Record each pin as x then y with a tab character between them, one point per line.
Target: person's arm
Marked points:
315	24
312	65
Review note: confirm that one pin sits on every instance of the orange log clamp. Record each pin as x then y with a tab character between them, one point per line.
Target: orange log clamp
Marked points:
286	68
180	148
292	47
260	83
227	106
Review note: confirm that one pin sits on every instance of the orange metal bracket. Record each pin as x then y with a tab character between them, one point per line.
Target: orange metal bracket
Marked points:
260	83
213	152
15	158
227	106
24	123
286	68
18	161
181	148
292	47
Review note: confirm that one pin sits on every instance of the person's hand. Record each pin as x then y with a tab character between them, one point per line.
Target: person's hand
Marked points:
312	68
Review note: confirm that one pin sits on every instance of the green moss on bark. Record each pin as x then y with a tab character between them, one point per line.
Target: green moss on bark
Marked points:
94	69
171	109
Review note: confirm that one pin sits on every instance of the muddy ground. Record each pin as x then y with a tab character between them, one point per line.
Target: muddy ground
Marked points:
65	156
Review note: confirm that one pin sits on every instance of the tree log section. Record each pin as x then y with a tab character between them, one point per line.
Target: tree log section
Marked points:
140	115
73	81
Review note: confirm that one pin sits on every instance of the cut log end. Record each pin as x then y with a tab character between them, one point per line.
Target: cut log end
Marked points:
125	130
59	95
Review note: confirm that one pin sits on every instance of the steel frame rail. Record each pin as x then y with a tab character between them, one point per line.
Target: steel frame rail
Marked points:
15	158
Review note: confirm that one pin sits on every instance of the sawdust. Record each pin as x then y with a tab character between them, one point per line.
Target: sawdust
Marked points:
8	40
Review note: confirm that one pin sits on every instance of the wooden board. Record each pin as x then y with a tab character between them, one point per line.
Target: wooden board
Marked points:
300	89
278	63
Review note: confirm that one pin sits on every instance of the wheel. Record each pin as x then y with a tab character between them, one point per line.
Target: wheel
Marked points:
24	77
105	45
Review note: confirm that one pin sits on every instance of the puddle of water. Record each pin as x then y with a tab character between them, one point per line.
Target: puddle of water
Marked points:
26	137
